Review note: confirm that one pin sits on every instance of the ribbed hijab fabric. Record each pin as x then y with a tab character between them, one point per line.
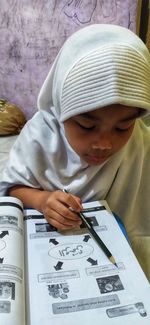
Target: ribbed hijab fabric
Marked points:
97	66
106	77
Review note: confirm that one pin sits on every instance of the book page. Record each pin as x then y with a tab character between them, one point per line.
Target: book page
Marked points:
71	280
12	309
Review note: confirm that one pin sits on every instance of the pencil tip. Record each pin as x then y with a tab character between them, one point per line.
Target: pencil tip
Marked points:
113	261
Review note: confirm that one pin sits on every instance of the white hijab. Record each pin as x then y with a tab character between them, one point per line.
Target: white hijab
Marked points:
42	157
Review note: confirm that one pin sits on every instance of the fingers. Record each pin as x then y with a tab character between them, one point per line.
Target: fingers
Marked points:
63	216
61	210
72	201
61	224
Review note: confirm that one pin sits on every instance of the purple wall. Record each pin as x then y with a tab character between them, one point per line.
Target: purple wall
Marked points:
32	33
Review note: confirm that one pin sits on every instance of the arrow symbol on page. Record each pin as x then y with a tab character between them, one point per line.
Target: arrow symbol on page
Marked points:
3	234
53	241
58	266
93	262
1	259
86	238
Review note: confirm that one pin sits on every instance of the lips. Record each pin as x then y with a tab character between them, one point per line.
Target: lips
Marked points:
96	159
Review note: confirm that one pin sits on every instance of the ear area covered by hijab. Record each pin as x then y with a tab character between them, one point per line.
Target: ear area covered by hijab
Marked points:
98	65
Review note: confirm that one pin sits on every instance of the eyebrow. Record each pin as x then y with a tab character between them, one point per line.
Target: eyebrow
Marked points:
87	116
128	119
132	117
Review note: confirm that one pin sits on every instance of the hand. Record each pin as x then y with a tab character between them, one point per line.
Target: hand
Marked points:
60	209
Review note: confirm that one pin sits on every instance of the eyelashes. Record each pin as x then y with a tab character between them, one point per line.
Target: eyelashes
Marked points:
122	130
91	128
85	127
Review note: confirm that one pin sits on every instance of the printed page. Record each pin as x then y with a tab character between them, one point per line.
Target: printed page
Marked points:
12	309
72	281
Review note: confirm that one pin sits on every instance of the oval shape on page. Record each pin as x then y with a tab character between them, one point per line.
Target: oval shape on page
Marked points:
71	251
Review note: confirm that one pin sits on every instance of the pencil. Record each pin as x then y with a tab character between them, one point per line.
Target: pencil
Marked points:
95	236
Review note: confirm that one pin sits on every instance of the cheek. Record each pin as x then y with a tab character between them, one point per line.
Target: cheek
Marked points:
77	141
71	135
122	138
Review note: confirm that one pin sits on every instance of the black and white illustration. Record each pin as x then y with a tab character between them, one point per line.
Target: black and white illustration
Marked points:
127	310
5	307
8	220
7	290
44	227
92	220
59	290
110	284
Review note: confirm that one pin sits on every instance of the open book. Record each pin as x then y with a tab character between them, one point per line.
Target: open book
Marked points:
51	278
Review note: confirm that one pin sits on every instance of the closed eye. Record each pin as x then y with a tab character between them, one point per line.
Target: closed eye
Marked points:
86	127
124	129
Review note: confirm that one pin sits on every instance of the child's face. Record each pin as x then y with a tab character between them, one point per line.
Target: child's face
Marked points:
97	135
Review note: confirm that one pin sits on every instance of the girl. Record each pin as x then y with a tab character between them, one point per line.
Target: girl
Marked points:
87	136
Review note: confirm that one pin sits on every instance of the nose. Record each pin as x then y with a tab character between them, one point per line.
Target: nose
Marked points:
102	142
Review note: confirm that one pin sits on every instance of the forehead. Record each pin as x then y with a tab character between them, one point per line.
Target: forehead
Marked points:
112	111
